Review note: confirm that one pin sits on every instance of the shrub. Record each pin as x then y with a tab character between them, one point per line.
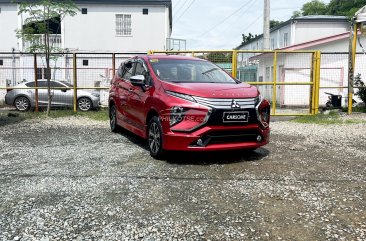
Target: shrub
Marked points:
361	92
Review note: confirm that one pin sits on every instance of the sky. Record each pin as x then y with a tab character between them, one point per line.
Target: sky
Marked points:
219	24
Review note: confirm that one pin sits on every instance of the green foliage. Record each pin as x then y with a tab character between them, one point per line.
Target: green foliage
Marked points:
41	15
345	7
322	119
218	57
247	38
335	7
296	14
274	23
361	92
315	7
41	18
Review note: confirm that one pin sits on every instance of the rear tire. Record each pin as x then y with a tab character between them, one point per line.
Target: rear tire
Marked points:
113	119
155	138
22	103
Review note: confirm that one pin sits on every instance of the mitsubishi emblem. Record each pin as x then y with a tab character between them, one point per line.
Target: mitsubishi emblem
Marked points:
235	105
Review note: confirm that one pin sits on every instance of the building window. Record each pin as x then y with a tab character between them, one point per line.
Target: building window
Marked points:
1	62
85	62
285	39
42	73
84	11
145	11
123	25
272	43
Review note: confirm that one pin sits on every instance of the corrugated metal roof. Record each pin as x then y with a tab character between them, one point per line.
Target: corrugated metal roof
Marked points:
317	17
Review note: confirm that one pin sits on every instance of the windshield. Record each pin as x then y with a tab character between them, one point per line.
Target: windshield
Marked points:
189	71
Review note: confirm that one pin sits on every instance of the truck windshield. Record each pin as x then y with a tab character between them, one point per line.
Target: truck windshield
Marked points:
189	71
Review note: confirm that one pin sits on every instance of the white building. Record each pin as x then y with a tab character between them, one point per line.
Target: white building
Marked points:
104	25
300	30
329	34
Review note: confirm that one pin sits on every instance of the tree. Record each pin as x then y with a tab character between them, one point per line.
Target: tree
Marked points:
335	7
248	38
361	92
274	23
44	18
315	7
345	7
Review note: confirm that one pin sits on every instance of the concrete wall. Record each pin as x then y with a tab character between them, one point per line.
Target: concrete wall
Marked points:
96	31
308	31
8	25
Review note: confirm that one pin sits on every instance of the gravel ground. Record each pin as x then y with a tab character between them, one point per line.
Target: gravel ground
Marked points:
72	179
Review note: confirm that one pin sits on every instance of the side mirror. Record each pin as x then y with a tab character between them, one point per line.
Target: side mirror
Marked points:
64	90
138	80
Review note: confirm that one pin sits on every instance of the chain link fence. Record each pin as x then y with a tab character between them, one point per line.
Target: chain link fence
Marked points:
334	78
285	78
295	82
87	74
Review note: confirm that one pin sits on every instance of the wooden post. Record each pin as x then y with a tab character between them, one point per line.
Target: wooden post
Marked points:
35	81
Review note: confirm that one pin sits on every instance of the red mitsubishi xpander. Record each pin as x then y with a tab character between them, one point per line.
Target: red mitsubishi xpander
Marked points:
187	104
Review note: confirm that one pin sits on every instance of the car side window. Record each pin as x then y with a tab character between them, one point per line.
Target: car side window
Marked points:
30	84
120	71
42	84
56	84
128	70
140	70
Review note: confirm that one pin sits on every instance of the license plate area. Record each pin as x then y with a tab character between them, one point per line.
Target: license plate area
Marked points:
235	117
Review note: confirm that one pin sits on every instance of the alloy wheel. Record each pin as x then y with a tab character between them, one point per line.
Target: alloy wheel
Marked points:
22	104
84	104
154	138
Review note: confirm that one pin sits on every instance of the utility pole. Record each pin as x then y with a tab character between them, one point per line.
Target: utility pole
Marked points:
266	33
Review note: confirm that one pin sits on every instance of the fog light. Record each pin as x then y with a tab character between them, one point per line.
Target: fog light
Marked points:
259	138
200	142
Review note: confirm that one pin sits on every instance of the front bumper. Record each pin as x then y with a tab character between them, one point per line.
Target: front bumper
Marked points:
217	138
9	99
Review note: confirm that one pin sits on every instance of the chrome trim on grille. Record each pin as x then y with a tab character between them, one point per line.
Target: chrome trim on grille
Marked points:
226	103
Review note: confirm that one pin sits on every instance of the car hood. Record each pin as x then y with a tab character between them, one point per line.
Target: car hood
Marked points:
213	90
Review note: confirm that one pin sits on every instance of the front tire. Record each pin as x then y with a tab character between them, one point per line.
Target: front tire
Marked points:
22	103
155	138
85	104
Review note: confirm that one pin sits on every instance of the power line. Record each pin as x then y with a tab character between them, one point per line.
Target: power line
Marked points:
229	16
179	6
235	20
177	19
248	26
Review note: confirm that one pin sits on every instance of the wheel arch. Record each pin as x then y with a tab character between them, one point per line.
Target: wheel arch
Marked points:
25	96
150	114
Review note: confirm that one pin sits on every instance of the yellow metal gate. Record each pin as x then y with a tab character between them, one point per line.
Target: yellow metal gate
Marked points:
288	79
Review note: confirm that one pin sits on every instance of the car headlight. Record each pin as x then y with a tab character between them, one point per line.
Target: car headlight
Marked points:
176	115
263	110
180	95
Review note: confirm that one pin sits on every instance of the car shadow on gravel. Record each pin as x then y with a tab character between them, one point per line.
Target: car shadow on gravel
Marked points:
201	158
9	118
215	157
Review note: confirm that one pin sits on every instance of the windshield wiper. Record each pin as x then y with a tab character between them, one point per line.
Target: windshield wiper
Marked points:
210	70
